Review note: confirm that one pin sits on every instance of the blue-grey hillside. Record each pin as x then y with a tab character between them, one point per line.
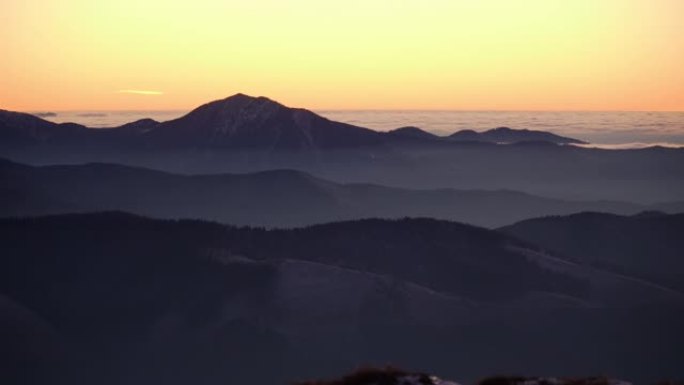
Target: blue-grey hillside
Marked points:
280	198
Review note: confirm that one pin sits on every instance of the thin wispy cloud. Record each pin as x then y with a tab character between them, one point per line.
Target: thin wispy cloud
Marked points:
140	92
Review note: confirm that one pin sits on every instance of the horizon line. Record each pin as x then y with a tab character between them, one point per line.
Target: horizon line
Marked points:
32	111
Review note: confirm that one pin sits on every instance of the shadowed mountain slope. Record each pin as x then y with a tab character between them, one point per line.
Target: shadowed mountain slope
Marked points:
18	128
648	245
242	121
112	298
412	133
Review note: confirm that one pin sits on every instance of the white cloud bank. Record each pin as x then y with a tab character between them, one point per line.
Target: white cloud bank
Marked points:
629	146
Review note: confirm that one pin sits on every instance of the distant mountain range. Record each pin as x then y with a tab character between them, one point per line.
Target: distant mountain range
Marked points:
237	122
361	263
246	134
112	298
268	198
245	122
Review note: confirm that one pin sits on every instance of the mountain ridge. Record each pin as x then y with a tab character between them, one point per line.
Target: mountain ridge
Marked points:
244	121
241	120
246	198
182	301
246	134
646	245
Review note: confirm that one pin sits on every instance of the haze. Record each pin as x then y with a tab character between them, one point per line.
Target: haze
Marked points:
380	54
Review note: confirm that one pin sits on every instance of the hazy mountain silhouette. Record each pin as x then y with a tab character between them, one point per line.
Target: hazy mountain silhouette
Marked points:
248	134
669	207
44	115
509	135
111	298
242	121
18	128
412	133
248	199
647	245
140	126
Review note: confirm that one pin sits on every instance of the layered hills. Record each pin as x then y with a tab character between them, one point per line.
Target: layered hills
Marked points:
242	134
647	245
280	198
110	297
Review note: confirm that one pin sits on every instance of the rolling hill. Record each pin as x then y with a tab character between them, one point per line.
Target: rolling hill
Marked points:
110	297
648	245
269	198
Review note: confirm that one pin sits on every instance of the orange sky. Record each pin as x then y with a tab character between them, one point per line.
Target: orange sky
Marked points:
352	54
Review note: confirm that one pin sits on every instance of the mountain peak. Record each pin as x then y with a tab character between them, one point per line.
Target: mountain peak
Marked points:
240	101
244	121
411	132
139	126
249	98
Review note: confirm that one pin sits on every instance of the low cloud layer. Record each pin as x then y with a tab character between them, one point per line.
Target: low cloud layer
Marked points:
629	146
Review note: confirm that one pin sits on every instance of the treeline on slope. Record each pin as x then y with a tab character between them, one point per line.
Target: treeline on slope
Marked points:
649	245
446	256
112	290
112	298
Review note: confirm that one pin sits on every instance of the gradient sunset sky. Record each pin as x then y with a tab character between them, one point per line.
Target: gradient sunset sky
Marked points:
353	54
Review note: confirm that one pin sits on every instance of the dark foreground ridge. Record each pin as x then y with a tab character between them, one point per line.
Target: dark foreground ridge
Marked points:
378	376
113	298
647	245
395	376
